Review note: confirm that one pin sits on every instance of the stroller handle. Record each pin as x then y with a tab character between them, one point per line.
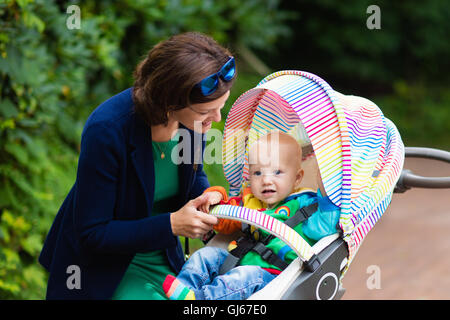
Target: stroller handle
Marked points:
427	153
409	180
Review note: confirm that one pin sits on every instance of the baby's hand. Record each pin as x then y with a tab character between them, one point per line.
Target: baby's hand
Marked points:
212	198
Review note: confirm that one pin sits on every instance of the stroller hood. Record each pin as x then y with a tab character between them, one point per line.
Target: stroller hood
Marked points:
359	152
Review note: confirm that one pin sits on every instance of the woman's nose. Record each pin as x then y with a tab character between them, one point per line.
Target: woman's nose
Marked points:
216	116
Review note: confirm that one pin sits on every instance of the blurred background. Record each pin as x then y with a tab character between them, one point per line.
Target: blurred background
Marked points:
52	77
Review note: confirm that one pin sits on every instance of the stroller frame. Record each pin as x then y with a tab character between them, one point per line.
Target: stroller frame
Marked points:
334	252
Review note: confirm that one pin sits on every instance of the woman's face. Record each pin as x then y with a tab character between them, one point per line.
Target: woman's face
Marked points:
199	117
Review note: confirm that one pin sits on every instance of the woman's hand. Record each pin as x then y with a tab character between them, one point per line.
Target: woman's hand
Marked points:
190	222
212	198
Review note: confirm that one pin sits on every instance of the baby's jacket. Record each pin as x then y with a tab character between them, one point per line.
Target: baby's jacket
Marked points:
321	223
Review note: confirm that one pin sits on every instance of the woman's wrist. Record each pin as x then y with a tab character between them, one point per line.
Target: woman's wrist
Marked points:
172	224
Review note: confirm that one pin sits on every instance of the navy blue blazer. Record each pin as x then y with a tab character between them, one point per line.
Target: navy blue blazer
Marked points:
106	217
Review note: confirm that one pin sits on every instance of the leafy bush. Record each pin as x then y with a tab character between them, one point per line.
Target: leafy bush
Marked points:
331	39
421	114
403	66
45	70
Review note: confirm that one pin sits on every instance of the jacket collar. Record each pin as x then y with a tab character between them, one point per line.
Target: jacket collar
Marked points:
142	157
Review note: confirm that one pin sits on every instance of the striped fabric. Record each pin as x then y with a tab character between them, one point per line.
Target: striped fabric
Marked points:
267	223
377	195
297	96
359	152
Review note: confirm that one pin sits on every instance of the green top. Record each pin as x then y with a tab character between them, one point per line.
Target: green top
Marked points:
147	271
166	173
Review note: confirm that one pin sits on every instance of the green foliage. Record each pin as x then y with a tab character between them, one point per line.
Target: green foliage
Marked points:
421	114
141	24
51	78
403	66
38	158
331	39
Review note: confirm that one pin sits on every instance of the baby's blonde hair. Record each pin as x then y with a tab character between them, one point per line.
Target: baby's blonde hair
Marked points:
284	140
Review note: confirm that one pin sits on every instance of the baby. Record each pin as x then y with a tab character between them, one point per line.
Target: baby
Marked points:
275	172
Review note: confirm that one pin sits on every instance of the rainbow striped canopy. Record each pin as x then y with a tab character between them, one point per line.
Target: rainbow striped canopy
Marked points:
359	152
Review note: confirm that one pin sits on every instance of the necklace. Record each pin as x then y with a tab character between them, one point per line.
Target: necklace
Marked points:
160	150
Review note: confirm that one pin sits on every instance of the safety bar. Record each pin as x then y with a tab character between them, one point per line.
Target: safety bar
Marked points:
409	180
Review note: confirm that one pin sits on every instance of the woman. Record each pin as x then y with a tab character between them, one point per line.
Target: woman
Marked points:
116	234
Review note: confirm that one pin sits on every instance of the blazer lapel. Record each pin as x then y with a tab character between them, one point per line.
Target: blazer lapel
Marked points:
142	157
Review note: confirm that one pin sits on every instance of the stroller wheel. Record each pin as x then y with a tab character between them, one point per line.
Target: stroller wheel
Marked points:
327	286
323	282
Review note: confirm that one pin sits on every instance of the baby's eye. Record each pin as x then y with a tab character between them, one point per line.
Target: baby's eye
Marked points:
257	173
277	172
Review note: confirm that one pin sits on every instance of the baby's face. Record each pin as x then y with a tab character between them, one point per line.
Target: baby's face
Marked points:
274	173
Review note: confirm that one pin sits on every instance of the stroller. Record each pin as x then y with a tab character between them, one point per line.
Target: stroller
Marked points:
359	154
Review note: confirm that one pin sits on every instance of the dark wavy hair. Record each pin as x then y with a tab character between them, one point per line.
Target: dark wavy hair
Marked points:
165	80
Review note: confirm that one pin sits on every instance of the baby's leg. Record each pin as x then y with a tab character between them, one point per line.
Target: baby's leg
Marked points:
202	267
237	284
198	271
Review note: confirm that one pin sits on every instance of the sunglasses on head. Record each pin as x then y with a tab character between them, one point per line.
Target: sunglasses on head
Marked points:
210	84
